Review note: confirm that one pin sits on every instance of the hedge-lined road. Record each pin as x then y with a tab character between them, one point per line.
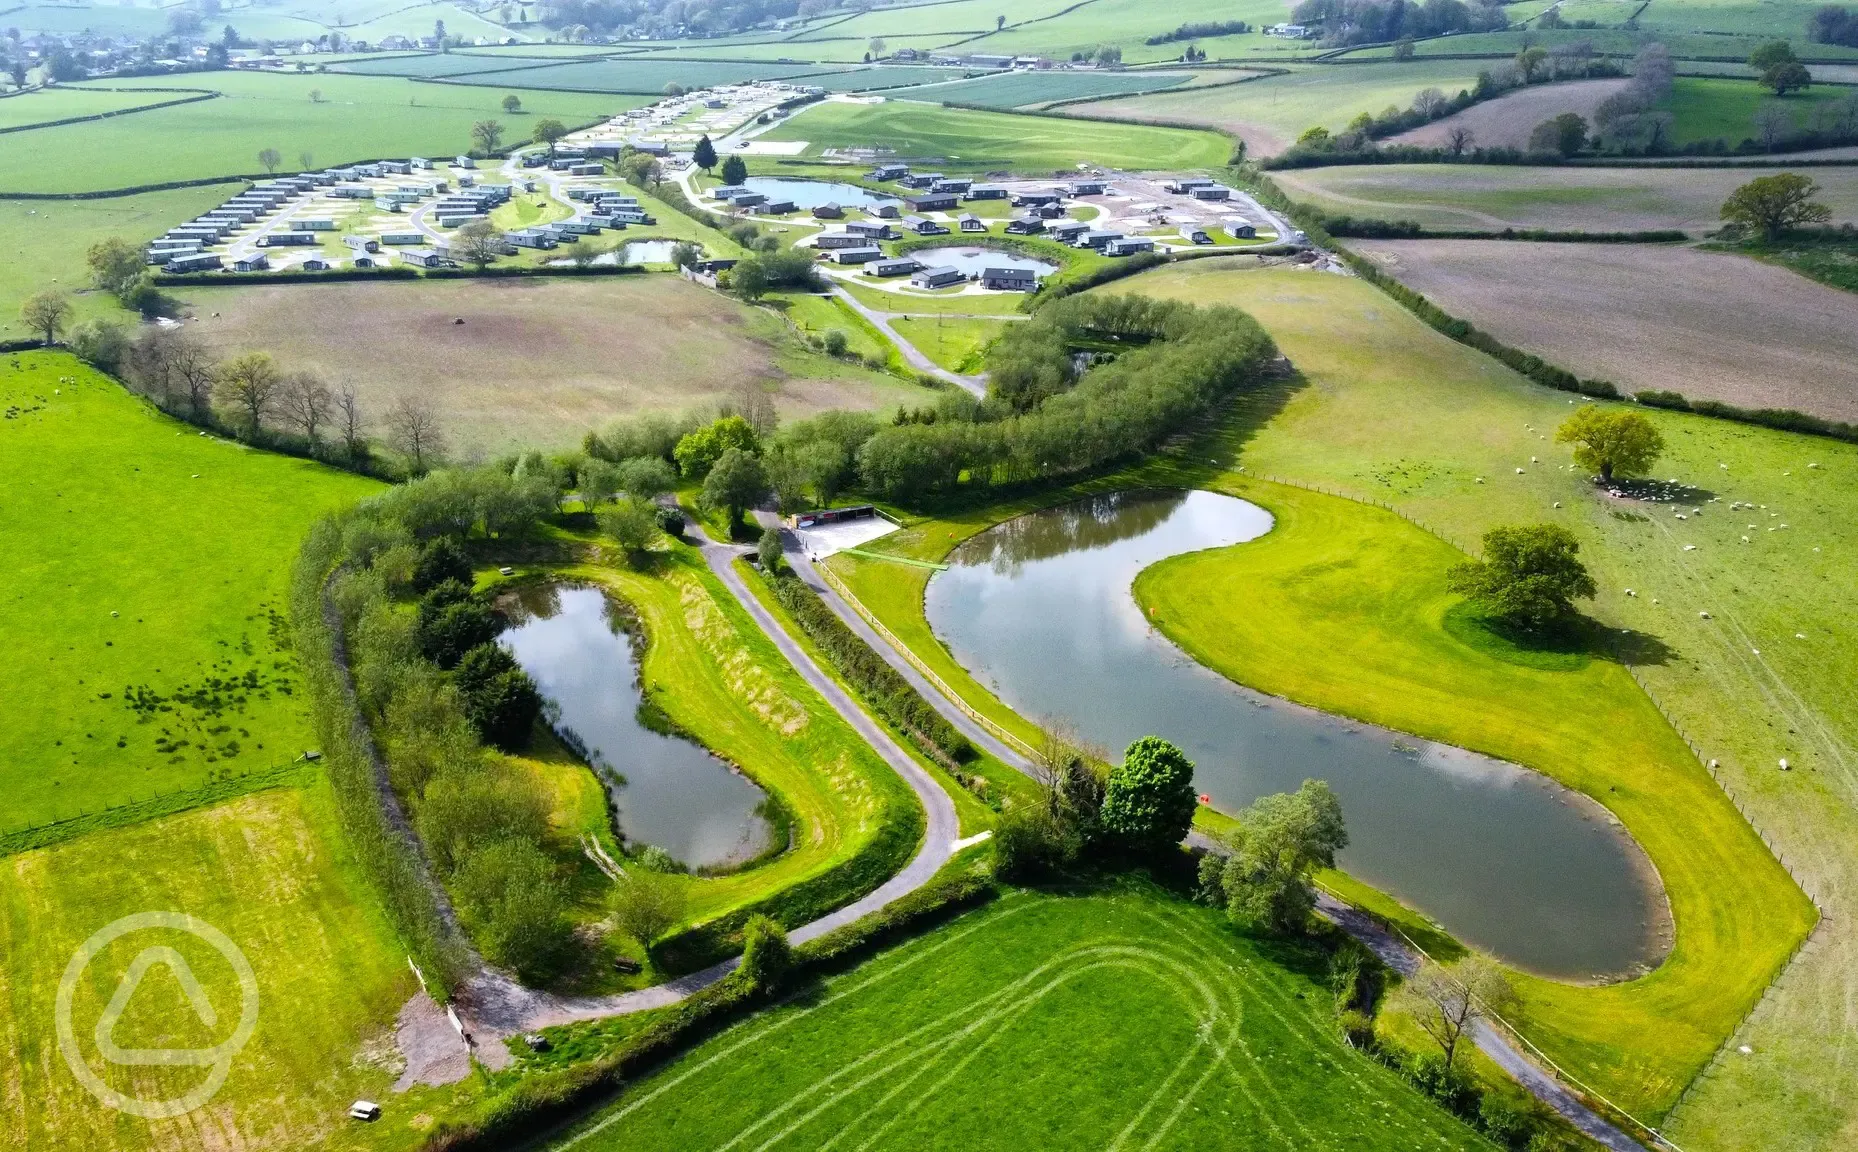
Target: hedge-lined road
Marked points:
493	1006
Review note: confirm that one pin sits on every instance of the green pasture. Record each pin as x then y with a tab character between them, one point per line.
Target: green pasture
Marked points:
948	21
436	64
643	77
418	20
969	140
1023	89
147	566
1270	113
1127	23
919	302
818	315
42	243
1713	108
1120	1018
884	77
359	117
267	871
954	342
141	23
1396	413
43	105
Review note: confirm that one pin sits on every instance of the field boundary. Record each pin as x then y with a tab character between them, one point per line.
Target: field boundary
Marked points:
289	773
202	94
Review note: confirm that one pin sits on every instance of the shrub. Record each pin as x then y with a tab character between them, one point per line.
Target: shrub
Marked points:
446	632
510	890
441	560
766	955
1148	804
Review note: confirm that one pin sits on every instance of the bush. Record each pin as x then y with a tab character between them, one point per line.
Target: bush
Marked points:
1505	1122
510	891
446	632
1444	1083
441	560
766	955
1148	804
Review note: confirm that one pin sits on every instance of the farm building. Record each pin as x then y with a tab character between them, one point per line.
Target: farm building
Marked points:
938	277
858	255
972	223
1241	230
1025	226
923	226
1010	279
987	192
892	266
932	202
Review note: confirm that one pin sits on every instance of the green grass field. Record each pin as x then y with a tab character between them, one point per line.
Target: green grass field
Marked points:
142	557
1399	414
1709	108
360	117
263	869
46	104
969	140
1023	89
956	343
42	243
1270	113
1119	1019
647	77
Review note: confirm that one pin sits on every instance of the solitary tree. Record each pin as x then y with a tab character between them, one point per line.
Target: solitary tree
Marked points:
46	313
704	154
1458	138
734	170
631	523
749	278
1563	135
1780	69
1431	103
1528	62
1772	124
413	424
478	243
1529	576
248	384
638	168
487	136
1148	803
876	47
306	160
1615	442
736	484
270	158
549	132
512	104
999	23
1773	204
350	422
1448	1002
1280	842
686	254
116	265
316	95
1403	48
646	904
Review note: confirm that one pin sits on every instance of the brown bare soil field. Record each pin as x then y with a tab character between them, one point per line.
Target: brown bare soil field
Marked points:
536	362
1711	325
1507	121
1482	196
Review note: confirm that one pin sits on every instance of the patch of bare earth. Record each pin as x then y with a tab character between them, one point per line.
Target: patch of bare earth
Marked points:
1711	325
1507	121
529	362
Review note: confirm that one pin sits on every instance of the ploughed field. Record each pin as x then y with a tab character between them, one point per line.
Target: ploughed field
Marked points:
1711	325
536	363
1507	121
1112	1020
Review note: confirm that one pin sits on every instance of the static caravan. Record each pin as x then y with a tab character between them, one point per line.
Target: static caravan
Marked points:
941	277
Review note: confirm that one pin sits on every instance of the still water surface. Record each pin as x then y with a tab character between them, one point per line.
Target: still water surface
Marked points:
667	790
974	259
812	193
1040	609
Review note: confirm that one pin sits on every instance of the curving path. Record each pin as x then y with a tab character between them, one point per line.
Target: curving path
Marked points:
491	1004
911	353
1392	950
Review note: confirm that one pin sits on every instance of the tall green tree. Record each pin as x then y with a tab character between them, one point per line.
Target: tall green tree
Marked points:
1529	576
1771	205
512	104
704	154
697	452
487	136
46	313
549	132
115	265
1781	71
1280	842
1148	803
1616	442
736	484
734	170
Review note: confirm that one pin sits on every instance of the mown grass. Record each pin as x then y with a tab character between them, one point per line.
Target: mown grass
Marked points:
266	870
966	140
47	104
140	555
42	244
956	343
1042	1021
358	118
1346	609
1388	410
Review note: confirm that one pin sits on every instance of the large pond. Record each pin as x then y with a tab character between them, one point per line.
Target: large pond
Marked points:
631	252
974	260
1040	609
667	790
813	193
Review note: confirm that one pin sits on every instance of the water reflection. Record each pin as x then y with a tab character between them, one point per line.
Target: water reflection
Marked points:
667	790
1040	609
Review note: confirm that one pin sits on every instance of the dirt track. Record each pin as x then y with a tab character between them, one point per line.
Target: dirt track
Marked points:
1708	324
1507	121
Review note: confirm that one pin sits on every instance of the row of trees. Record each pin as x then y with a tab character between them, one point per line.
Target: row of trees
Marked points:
1346	22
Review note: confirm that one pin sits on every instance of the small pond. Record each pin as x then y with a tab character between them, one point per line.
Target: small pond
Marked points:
668	791
974	260
1040	609
631	252
812	193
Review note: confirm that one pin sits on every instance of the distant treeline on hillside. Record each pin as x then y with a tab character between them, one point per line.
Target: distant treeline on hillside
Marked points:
1346	22
1202	30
